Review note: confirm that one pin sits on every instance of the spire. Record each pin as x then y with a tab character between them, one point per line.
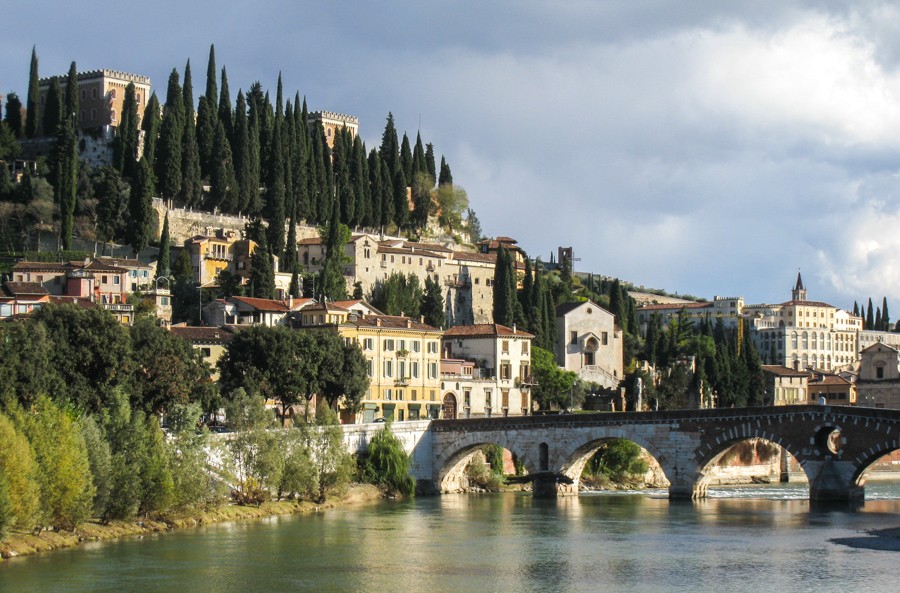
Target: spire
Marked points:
798	293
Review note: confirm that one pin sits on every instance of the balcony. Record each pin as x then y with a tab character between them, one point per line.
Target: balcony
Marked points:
123	307
219	256
402	382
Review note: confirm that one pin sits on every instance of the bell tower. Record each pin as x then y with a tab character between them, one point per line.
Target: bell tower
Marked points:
798	293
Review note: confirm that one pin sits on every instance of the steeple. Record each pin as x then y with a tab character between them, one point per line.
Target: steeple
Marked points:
798	293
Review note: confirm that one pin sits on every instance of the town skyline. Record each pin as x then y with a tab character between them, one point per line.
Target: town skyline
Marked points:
709	152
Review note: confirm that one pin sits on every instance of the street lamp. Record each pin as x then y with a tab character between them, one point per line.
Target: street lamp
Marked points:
572	397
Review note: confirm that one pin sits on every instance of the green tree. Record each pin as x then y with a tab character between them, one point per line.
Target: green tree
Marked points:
26	367
221	175
399	295
473	225
333	466
140	207
162	263
262	271
21	476
53	108
433	304
168	157
225	105
191	184
206	134
335	236
445	175
193	485
125	146
406	159
150	124
99	461
13	116
32	117
386	463
65	173
429	160
553	383
183	270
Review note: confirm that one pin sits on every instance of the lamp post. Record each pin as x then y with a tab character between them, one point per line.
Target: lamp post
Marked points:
572	397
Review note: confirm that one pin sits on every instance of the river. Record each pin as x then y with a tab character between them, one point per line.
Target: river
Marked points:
741	539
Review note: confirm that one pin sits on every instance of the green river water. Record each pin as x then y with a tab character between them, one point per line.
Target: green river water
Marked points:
742	539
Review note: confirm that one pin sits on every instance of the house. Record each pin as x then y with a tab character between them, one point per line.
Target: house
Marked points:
878	384
785	386
486	371
239	310
210	341
21	298
589	343
836	390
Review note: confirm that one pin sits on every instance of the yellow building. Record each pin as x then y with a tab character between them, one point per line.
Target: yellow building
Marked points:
404	361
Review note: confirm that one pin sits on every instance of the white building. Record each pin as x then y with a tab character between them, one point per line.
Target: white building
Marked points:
589	343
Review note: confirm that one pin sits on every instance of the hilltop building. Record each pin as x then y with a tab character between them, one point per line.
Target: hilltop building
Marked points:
589	343
332	122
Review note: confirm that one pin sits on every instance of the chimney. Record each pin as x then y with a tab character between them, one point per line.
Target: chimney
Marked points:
422	319
408	322
290	301
378	322
514	328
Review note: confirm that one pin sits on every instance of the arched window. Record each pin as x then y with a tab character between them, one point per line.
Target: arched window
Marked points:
815	360
815	341
94	93
112	94
794	362
805	361
794	340
112	115
83	94
805	341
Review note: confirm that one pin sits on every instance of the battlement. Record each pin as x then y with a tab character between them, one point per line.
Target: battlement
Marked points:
92	74
336	117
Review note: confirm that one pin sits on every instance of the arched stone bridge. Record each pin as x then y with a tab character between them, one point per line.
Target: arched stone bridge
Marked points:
684	442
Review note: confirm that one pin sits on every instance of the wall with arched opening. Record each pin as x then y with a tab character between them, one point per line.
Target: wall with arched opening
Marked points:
450	468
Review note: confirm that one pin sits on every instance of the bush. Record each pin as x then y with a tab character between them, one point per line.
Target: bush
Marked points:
387	464
617	460
20	471
480	477
493	454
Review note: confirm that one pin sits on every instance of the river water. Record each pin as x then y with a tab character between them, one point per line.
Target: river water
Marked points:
741	539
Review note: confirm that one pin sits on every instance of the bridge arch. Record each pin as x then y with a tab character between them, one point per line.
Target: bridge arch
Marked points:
573	459
864	462
450	464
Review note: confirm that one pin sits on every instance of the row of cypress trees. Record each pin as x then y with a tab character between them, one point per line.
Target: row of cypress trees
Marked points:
879	320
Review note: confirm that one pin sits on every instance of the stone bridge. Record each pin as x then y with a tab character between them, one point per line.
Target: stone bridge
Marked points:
835	445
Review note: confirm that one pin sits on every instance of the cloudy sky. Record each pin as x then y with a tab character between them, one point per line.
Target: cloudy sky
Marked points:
705	147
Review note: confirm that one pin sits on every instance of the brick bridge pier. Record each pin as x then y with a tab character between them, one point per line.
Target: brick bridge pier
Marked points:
834	445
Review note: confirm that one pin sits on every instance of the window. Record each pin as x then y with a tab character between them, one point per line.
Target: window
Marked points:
112	94
433	395
40	279
604	338
573	337
414	395
387	394
400	396
206	352
104	280
415	346
389	345
370	367
525	347
401	344
505	347
879	372
94	93
368	344
83	94
414	370
432	347
83	116
505	370
467	398
112	115
388	368
116	280
432	370
487	398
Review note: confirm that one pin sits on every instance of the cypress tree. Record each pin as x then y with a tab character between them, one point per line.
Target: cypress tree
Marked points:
855	309
162	263
387	194
524	297
206	135
390	147
13	115
299	165
445	177
877	325
141	207
433	303
225	106
549	320
32	115
885	317
109	210
359	179
375	189
287	151
191	183
406	159
870	316
331	279
241	153
615	304
254	204
126	142
400	198
429	160
53	108
71	109
504	312
168	158
290	246
150	125
187	96
65	174
221	178
275	194
212	91
418	157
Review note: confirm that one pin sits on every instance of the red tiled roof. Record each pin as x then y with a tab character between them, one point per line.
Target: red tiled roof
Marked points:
783	371
202	334
392	322
485	330
828	380
33	266
84	303
806	304
98	266
485	257
129	263
427	246
311	241
270	304
25	288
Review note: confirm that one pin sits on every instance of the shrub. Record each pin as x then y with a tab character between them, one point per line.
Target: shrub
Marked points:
387	464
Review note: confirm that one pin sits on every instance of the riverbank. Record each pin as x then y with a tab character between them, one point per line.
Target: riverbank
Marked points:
24	544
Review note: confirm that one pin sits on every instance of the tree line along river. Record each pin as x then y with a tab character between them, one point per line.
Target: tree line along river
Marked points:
748	538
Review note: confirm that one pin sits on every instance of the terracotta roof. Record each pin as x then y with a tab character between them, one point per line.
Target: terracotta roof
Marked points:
485	330
270	304
828	380
84	303
25	288
392	322
325	307
202	334
427	246
97	266
485	257
129	263
678	306
806	304
783	371
33	266
311	241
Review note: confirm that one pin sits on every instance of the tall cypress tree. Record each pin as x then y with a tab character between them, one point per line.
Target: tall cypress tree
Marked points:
331	278
406	159
877	325
13	116
433	303
299	164
53	108
885	316
150	125
418	157
126	142
141	207
207	117
400	198
387	194
168	158
212	90
65	174
359	179
221	178
504	312
275	193
162	263
262	271
254	205
191	185
870	316
32	115
525	299
241	153
375	190
71	109
445	177
429	160
225	106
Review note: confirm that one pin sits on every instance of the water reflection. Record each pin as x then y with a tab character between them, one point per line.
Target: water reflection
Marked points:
760	539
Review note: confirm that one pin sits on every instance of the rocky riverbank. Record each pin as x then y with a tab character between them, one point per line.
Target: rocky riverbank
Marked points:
23	544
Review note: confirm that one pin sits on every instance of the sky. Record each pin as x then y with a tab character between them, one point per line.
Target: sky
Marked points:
702	147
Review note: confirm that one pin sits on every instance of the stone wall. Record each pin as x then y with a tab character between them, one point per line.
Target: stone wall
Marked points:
414	434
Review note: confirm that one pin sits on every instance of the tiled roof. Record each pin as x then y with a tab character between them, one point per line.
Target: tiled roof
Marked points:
202	334
97	266
325	307
84	303
125	263
25	288
484	330
894	348
828	380
672	306
311	241
33	266
485	257
783	371
392	322
806	304
427	246
265	304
